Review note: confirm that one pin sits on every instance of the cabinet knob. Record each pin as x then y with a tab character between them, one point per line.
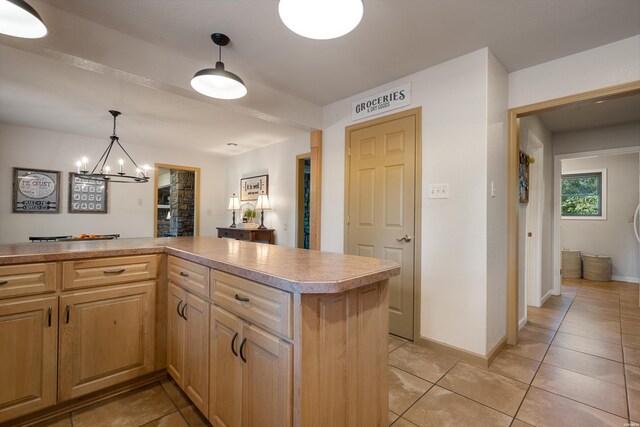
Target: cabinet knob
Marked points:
183	274
66	311
243	299
184	307
49	311
178	308
4	282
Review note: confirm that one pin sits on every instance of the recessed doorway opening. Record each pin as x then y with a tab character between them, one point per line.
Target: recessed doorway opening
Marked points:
176	201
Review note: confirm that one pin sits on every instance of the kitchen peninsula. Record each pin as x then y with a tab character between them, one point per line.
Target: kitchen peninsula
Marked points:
255	334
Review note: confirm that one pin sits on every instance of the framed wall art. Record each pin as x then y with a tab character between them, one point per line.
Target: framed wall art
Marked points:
87	195
36	191
252	187
523	177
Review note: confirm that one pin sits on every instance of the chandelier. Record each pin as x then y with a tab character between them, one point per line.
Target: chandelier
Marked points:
102	171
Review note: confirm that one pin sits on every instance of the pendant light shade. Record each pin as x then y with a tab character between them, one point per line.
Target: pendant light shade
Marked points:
321	19
19	19
218	82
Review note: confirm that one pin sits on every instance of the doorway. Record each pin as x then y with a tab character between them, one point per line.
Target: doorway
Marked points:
513	160
177	201
383	205
303	206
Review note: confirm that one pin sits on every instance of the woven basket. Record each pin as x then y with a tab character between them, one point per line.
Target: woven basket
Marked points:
597	268
571	264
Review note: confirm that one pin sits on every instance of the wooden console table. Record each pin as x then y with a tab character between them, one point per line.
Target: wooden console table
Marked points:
249	234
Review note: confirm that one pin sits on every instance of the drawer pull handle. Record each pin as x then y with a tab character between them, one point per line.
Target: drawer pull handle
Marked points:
183	274
115	271
4	282
243	299
184	307
49	316
233	343
66	310
178	308
244	341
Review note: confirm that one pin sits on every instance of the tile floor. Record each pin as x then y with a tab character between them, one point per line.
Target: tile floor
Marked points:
577	363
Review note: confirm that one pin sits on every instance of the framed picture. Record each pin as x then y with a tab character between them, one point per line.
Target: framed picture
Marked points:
36	191
523	177
87	195
252	187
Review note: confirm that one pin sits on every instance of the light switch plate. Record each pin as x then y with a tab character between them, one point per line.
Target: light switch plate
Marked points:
438	191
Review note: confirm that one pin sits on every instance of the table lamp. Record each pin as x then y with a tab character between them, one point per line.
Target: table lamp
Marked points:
234	203
262	204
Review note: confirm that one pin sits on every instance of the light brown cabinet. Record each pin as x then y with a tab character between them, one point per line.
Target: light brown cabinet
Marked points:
188	344
28	352
107	336
251	374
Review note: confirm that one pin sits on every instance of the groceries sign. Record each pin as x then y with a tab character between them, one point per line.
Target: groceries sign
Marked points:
382	102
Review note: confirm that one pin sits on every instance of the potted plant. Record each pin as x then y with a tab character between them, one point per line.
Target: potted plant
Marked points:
248	215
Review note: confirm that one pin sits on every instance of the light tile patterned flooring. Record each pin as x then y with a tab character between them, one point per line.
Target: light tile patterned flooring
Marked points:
577	363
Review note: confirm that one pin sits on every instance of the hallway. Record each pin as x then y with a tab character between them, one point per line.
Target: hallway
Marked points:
577	363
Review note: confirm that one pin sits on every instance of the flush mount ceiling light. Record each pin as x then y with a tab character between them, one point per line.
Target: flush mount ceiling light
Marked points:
101	171
218	82
19	19
321	19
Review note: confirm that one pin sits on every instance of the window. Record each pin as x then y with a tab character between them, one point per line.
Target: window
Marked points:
583	194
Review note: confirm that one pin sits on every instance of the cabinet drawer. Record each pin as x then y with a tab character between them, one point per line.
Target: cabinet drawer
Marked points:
191	276
260	304
27	279
108	271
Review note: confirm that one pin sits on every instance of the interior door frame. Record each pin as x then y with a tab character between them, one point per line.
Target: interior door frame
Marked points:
196	219
513	148
417	253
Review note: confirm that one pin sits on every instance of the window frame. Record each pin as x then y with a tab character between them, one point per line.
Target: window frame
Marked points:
603	194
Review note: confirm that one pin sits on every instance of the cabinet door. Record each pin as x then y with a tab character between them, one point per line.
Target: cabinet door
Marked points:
225	369
176	330
28	335
196	373
106	337
266	379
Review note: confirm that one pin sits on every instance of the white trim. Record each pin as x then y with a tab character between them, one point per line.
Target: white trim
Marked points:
603	193
625	279
522	322
546	296
557	172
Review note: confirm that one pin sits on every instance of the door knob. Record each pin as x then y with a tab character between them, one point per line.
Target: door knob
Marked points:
406	238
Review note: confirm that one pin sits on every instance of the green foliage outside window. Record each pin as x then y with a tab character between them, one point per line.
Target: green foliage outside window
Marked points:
582	195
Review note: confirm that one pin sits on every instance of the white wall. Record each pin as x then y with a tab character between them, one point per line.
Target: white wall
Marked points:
454	99
279	162
496	204
609	65
601	138
40	149
614	236
532	124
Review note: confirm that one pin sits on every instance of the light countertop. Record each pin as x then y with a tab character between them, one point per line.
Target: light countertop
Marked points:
289	269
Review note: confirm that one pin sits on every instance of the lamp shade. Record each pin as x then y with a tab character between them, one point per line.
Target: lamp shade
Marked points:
234	203
263	202
218	83
19	19
321	19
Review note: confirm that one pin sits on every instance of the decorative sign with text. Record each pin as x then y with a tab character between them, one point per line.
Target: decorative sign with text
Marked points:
36	191
252	187
382	102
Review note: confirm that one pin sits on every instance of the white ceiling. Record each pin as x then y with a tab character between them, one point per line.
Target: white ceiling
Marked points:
60	83
579	116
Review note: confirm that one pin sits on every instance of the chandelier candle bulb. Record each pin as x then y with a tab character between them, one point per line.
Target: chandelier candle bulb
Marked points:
78	165
121	162
138	173
84	164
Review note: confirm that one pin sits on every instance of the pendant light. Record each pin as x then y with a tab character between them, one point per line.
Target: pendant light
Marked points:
218	82
101	171
321	19
19	19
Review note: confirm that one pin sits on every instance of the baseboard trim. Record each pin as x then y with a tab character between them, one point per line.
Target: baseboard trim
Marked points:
522	322
545	297
466	355
625	279
83	401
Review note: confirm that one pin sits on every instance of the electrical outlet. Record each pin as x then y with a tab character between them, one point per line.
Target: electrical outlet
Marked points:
285	226
493	189
139	202
438	191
